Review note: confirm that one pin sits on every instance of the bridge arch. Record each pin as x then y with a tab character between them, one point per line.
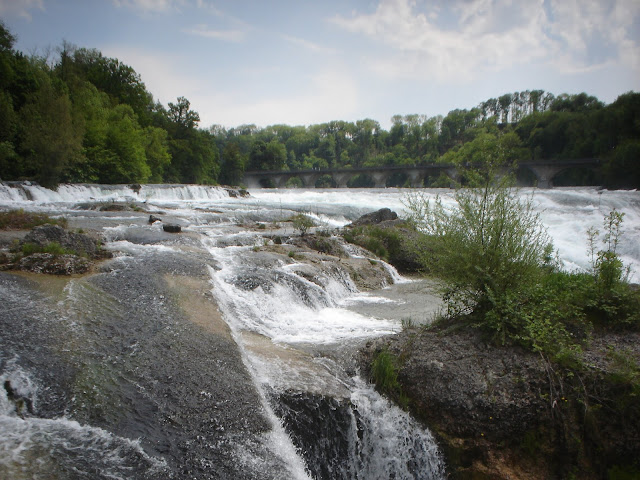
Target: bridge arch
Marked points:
576	175
543	174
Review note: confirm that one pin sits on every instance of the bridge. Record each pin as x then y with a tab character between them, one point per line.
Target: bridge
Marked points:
541	173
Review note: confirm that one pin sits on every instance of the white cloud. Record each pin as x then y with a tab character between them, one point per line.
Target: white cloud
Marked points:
161	74
327	95
330	95
314	47
226	35
150	6
20	8
495	35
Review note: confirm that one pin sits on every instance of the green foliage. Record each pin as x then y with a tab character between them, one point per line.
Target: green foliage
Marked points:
384	372
232	165
294	182
48	134
21	220
625	370
623	473
54	248
302	223
490	244
613	302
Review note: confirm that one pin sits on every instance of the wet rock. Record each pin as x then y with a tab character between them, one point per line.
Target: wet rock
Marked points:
135	187
326	245
322	428
172	228
382	215
153	219
54	264
506	412
23	404
248	282
115	207
79	243
235	192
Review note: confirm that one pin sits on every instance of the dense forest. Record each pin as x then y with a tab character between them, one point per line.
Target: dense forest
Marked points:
83	117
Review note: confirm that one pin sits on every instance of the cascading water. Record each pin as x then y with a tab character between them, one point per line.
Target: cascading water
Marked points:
294	326
342	428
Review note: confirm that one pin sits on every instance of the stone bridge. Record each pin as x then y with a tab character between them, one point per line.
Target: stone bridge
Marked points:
416	176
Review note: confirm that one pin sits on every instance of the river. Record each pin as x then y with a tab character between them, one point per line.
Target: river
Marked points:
204	355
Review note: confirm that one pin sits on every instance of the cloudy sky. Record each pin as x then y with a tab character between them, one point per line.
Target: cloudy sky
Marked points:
301	62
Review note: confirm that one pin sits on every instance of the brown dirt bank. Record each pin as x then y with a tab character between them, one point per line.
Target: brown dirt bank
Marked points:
506	413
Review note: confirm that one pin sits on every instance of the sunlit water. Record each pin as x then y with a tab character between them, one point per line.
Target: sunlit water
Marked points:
295	336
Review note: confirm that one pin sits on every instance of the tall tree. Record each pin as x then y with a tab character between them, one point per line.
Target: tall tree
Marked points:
49	137
232	169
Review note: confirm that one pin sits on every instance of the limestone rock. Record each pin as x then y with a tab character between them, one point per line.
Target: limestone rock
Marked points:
382	215
54	264
77	242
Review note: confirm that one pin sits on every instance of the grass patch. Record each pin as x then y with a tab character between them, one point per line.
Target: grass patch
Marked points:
54	248
385	373
21	220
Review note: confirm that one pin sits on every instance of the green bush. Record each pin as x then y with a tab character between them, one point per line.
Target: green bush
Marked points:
486	249
302	223
386	243
21	220
384	372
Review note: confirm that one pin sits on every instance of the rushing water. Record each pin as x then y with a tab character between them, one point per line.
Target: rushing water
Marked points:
289	403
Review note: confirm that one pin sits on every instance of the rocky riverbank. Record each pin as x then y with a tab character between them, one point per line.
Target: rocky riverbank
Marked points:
504	412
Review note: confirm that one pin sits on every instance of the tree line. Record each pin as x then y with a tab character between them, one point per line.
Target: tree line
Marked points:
88	118
521	126
84	117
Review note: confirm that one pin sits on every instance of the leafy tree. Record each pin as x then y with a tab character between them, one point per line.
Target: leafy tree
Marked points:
157	152
182	116
194	152
125	141
48	134
194	158
121	82
267	156
623	168
232	165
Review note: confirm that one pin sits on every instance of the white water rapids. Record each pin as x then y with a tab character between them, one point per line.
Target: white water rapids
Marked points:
292	332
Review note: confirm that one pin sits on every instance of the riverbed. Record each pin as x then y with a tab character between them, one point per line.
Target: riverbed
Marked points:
215	353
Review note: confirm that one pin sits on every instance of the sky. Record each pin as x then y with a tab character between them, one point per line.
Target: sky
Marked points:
302	62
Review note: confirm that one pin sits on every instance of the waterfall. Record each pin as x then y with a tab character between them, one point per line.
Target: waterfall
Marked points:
338	426
12	193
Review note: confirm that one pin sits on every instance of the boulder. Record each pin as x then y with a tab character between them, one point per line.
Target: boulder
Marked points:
43	235
54	264
115	207
382	215
171	227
